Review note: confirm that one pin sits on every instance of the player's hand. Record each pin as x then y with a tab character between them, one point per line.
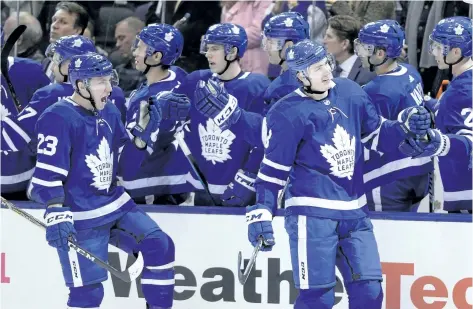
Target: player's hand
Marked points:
174	106
415	121
436	144
59	227
259	220
241	191
148	119
214	102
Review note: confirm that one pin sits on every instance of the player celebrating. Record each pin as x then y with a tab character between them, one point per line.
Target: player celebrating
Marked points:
313	139
280	32
392	181
79	140
17	168
162	178
451	44
227	161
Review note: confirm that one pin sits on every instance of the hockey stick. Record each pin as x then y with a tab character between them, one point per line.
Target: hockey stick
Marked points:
243	276
128	275
179	136
7	48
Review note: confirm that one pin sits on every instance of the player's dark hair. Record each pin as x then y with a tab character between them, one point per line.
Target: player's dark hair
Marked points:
346	28
82	17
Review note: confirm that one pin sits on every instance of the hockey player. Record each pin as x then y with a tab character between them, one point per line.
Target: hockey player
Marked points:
313	142
163	176
279	33
451	45
393	182
26	77
227	161
80	138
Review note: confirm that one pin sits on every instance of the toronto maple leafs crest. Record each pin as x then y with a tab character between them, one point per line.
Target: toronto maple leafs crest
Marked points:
458	29
290	54
77	43
168	36
384	28
101	166
215	142
340	155
236	30
78	63
288	22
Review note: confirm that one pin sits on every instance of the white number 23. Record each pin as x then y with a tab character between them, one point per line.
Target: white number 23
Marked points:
49	148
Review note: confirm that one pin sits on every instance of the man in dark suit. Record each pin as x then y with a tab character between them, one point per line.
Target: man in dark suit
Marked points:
203	14
341	32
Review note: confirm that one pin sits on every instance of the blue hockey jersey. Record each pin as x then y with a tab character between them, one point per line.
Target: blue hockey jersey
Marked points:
391	93
455	118
17	167
77	162
165	170
317	148
221	154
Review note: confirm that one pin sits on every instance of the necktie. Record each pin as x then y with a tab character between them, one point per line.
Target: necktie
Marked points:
338	70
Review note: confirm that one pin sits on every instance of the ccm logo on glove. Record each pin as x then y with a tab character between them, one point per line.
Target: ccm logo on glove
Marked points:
258	215
55	218
227	111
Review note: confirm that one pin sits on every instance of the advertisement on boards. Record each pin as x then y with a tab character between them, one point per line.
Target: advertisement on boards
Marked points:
425	265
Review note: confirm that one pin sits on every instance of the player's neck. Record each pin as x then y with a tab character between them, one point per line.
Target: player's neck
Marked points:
385	68
233	70
81	101
156	74
317	96
462	67
342	57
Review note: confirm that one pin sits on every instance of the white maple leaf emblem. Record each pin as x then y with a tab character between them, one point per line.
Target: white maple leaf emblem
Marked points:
78	63
215	143
101	166
4	112
411	79
168	36
340	156
458	29
288	22
236	30
384	28
77	43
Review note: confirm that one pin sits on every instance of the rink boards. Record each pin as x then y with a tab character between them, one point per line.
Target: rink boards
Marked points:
426	258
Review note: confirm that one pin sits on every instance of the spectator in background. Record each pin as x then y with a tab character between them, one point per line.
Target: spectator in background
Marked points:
365	11
203	14
249	15
90	33
125	34
69	18
28	42
341	32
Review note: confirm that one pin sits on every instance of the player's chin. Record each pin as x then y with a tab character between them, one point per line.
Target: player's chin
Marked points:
214	68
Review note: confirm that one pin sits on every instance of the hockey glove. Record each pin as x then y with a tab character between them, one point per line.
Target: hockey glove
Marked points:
59	227
174	106
437	144
415	121
241	192
214	102
148	119
259	220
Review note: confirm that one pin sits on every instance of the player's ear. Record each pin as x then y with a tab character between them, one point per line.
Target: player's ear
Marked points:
380	52
157	57
232	55
345	44
301	77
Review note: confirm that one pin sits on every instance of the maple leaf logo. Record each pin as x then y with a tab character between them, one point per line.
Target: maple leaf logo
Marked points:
168	36
288	22
101	166
4	112
340	156
215	143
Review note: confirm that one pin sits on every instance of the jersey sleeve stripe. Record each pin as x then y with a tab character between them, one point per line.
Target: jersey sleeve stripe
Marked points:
8	140
17	129
375	132
274	180
276	165
52	168
394	166
8	180
44	183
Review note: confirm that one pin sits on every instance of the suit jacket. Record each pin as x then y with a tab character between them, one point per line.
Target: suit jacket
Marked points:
360	75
